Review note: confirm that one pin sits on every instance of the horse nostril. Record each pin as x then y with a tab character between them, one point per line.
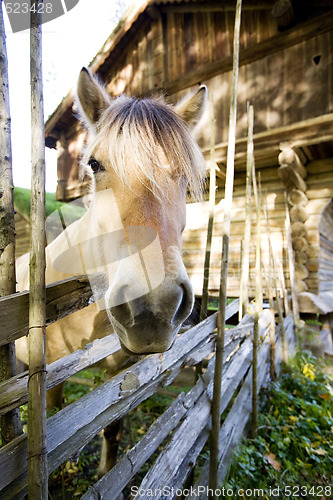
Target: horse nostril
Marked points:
186	304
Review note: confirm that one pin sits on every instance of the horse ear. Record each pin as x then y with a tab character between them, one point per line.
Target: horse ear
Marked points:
91	96
192	108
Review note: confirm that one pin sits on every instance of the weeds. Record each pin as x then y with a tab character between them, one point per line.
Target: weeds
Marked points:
294	447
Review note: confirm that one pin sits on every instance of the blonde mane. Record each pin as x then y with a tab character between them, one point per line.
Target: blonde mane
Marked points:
148	134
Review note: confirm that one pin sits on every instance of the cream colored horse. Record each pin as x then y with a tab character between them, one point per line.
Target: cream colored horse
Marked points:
143	161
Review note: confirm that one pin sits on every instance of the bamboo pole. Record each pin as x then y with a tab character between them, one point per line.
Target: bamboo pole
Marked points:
295	306
229	183
212	191
244	281
10	423
283	288
273	268
258	203
272	329
258	308
37	450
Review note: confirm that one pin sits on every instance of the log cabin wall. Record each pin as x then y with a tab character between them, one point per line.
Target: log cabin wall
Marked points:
287	76
314	274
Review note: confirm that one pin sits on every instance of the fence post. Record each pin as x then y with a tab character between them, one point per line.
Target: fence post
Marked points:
295	306
229	185
212	189
272	331
245	251
37	452
258	282
258	305
273	268
10	423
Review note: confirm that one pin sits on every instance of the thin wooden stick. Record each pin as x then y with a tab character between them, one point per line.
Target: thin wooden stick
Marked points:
37	449
272	327
212	190
283	288
295	306
244	283
10	423
258	203
258	308
273	268
229	183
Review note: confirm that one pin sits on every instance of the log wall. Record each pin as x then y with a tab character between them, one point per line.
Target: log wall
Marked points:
305	231
177	43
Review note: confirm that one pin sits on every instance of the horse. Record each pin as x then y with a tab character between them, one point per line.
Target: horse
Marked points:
143	162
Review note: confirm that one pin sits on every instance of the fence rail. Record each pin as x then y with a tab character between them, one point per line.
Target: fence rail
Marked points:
62	298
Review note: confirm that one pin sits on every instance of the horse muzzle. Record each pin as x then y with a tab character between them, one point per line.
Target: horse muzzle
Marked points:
151	322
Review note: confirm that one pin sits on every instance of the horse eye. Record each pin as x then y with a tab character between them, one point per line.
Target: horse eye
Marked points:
95	166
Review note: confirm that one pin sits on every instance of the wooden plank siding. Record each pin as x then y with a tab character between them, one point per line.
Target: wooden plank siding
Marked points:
285	86
190	41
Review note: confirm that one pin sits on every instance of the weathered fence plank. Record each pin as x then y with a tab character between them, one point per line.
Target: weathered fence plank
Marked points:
125	469
238	418
62	298
121	474
173	455
17	468
234	425
13	392
197	402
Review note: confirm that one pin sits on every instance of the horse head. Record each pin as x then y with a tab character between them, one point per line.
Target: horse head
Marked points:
143	162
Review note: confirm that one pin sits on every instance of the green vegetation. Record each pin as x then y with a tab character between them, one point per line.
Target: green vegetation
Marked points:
294	447
22	198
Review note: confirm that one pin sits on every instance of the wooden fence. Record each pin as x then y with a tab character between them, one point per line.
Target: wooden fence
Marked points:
187	418
185	425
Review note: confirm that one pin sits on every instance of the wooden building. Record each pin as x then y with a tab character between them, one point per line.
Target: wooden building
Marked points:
22	230
286	72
